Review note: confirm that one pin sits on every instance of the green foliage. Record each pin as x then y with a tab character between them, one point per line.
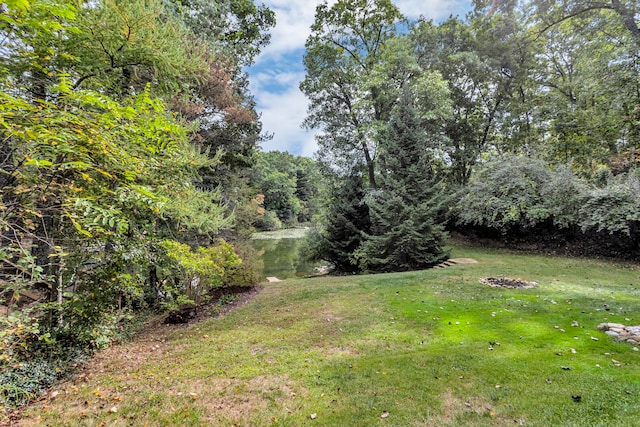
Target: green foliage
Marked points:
520	194
198	271
291	187
614	208
505	195
407	232
268	221
97	172
245	273
126	44
18	330
347	223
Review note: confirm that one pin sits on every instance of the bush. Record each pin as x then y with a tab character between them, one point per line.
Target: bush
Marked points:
196	272
246	273
614	208
523	197
505	195
562	197
268	222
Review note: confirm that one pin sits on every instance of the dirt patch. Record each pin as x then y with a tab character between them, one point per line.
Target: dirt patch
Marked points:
455	410
506	282
463	260
234	400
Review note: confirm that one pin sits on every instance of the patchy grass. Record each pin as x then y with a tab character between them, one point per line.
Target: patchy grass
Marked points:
428	348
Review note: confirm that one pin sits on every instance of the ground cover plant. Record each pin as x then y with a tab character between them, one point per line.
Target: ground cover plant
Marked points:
434	347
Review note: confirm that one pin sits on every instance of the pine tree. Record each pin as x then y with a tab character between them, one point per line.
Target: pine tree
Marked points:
406	233
347	224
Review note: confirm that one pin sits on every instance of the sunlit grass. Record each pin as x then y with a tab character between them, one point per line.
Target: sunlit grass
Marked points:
434	348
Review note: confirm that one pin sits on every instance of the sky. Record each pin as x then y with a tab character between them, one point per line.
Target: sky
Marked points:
278	71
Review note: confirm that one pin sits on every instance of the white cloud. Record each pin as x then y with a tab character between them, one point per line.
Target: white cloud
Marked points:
432	9
293	22
282	114
275	77
294	19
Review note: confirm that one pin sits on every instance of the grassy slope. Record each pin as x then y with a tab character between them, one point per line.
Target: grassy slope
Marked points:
413	346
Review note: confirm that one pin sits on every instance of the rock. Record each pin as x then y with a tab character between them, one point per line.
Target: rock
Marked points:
629	334
616	325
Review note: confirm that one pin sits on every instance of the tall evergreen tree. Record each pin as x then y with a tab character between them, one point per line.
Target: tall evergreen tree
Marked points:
347	224
406	233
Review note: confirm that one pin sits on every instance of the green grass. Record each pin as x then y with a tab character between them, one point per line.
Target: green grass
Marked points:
414	346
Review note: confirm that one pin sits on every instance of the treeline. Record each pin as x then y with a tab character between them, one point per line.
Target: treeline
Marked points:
127	136
524	118
290	188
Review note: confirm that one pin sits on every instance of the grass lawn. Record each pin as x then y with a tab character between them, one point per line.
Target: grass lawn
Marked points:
410	349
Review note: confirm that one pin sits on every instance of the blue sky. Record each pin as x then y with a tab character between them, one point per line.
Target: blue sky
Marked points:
278	71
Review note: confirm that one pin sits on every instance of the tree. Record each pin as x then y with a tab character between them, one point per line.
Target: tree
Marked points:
345	44
626	13
407	232
485	63
588	69
290	185
97	172
347	223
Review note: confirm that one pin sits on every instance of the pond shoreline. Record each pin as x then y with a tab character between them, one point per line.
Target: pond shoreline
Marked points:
285	233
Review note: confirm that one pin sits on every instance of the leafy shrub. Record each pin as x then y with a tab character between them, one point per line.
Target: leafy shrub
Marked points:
562	197
22	382
614	208
268	222
18	330
246	273
196	272
505	194
522	195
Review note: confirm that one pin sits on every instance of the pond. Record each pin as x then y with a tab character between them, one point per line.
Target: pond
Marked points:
280	254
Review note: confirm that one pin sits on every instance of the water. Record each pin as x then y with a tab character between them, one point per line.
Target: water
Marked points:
281	258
